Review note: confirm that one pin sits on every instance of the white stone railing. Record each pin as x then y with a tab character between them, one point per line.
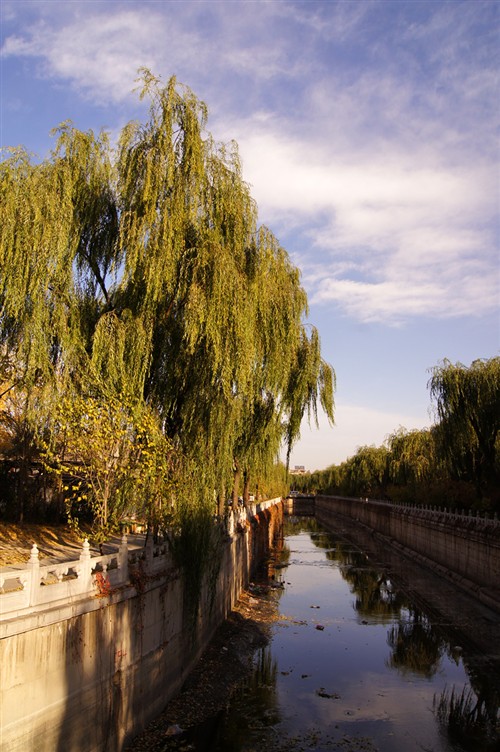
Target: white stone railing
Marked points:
36	587
242	514
466	518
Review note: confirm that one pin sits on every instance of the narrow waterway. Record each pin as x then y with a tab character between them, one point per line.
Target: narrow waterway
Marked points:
354	664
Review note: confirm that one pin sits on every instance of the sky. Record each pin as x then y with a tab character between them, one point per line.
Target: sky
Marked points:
368	133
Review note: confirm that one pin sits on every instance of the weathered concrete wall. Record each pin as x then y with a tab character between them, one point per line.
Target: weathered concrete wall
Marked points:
466	550
299	505
88	676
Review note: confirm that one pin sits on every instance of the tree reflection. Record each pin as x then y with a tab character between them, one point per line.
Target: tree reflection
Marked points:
415	644
375	593
254	706
376	596
293	525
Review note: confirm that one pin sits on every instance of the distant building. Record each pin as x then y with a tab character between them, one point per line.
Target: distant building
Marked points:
298	470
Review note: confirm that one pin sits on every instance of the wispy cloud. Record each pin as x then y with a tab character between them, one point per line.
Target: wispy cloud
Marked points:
373	142
98	54
100	47
418	231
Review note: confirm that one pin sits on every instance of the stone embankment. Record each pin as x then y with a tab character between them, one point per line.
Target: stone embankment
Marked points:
91	650
463	548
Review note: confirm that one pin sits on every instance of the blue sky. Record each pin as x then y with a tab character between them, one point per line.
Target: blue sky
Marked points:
368	131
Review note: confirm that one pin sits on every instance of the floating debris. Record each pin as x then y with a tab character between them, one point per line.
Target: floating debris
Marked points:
329	696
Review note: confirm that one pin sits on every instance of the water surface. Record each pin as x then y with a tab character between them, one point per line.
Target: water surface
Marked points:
355	664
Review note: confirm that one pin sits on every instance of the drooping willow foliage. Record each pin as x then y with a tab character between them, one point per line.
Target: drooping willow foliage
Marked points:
455	463
138	275
468	406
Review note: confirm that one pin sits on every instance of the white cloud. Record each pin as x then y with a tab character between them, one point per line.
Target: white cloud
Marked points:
374	141
100	53
417	233
100	47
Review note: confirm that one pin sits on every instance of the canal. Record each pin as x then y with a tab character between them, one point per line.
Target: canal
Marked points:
361	660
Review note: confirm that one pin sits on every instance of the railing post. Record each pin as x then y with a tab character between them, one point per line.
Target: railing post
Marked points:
148	553
123	559
34	570
85	568
230	523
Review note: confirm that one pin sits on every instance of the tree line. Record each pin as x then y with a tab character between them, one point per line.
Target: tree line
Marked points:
153	351
455	463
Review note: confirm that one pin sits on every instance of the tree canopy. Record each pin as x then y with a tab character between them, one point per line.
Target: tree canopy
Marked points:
468	407
137	275
455	463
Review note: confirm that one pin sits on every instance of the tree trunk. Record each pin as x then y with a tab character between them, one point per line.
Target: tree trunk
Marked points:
236	485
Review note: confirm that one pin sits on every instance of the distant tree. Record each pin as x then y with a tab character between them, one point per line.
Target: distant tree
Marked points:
367	472
414	466
468	408
328	481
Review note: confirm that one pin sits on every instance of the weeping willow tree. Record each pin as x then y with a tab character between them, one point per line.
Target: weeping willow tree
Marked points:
50	261
468	407
186	221
412	455
140	275
222	300
287	371
56	249
366	472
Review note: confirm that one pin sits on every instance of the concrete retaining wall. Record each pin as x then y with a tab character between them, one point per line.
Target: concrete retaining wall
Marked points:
299	506
464	549
88	675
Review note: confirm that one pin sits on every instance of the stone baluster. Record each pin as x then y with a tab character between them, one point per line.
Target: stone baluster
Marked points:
230	522
60	572
34	573
85	575
123	559
148	552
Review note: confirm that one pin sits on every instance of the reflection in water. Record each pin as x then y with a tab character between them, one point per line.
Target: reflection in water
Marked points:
253	710
471	717
367	669
416	646
375	595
